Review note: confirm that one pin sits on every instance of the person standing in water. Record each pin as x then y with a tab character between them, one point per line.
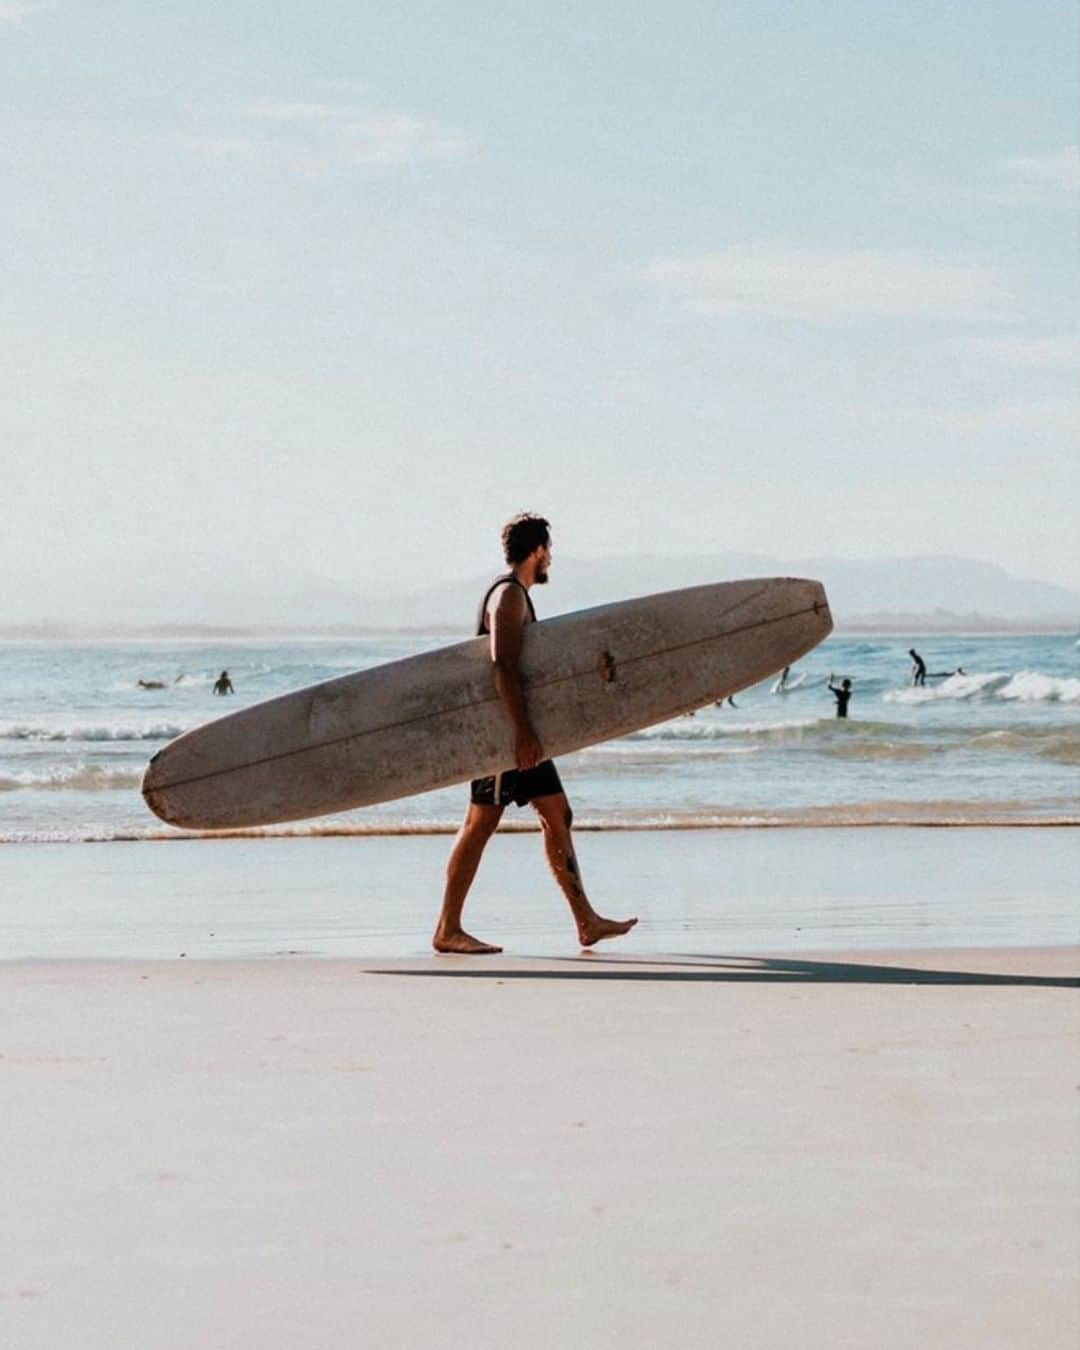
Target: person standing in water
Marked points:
223	685
843	696
504	612
918	667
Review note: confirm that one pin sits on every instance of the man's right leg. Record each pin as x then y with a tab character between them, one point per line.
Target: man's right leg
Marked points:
480	824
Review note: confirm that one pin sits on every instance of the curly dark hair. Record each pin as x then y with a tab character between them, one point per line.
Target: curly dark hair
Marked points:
522	535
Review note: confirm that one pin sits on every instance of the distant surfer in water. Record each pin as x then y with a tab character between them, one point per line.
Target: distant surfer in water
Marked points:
781	683
504	611
843	696
918	667
223	685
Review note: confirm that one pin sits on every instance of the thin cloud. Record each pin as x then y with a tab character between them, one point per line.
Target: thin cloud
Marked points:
396	140
821	286
1050	353
1059	169
220	149
326	136
296	112
1049	422
1053	420
16	11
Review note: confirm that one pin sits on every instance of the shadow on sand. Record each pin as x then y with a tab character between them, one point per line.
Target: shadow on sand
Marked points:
707	969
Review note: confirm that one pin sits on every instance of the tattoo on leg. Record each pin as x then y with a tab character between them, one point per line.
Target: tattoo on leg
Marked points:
575	876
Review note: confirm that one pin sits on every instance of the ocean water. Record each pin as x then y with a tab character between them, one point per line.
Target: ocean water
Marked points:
998	744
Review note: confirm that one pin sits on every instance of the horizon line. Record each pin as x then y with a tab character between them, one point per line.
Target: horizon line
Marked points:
885	623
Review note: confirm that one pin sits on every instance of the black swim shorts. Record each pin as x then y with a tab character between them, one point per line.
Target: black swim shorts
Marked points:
516	785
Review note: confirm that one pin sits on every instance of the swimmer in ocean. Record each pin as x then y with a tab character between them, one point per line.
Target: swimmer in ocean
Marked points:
843	696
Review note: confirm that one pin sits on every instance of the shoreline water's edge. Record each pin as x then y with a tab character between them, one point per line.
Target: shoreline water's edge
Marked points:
448	829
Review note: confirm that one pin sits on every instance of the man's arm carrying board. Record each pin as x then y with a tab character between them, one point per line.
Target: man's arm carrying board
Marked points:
435	719
508	616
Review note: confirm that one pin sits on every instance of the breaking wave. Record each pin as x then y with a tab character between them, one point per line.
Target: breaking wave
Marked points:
691	729
91	731
1026	686
854	739
78	777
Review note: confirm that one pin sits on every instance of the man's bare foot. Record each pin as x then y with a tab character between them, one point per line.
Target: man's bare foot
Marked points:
596	929
464	944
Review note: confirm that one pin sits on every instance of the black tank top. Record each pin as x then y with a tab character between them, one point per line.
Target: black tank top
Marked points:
481	616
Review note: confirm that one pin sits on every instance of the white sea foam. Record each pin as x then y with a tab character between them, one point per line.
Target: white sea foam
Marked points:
102	835
91	731
657	749
845	814
709	729
79	776
1027	686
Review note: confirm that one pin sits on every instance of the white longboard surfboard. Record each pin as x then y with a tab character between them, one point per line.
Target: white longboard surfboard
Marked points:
431	720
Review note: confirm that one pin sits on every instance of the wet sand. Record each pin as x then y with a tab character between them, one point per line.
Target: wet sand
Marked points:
694	891
858	1150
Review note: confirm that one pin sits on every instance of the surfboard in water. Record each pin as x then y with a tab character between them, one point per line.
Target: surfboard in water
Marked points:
431	720
796	682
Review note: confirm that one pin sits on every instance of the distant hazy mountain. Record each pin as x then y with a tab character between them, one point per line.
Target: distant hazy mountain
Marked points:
911	593
155	591
938	590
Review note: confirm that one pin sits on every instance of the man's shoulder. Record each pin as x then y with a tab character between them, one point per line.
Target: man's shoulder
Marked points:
508	596
508	602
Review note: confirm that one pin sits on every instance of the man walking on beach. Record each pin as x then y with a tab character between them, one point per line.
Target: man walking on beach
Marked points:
504	611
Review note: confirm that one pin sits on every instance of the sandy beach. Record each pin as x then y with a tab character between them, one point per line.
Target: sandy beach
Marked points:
607	1150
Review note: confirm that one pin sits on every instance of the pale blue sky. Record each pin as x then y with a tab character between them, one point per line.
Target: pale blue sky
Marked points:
338	291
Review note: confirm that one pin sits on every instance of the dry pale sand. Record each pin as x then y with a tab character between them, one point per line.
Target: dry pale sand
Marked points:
603	1151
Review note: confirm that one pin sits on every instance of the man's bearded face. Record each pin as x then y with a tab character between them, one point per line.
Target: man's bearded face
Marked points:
542	565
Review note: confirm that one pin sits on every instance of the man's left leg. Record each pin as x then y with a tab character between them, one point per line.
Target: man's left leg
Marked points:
556	819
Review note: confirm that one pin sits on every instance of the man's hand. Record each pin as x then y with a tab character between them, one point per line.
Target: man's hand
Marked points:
528	752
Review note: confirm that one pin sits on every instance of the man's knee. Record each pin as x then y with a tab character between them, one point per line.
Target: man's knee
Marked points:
482	822
555	817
